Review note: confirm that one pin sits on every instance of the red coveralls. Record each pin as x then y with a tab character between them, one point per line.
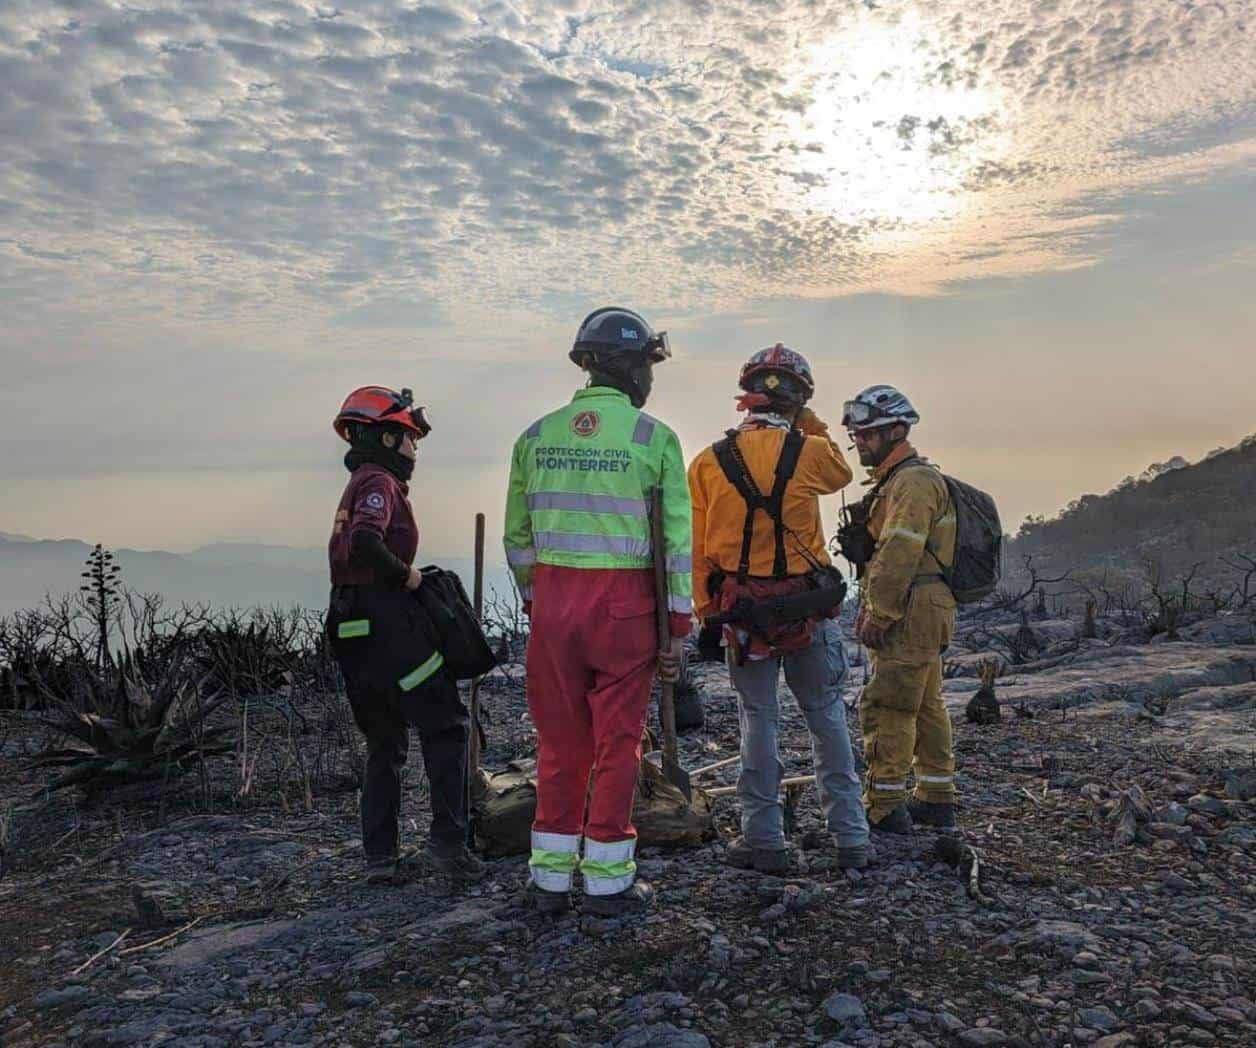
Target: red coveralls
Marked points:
591	661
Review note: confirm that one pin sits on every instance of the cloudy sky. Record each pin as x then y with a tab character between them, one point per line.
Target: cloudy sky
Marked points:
1036	216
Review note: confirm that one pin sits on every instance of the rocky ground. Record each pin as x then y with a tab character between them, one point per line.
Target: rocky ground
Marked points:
1117	877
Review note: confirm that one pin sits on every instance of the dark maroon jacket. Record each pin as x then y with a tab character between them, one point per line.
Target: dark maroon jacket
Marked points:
376	500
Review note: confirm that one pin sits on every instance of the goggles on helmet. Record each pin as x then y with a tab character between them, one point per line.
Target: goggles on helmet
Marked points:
858	415
657	347
418	415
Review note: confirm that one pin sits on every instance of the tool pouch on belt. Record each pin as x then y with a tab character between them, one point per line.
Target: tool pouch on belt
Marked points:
459	634
763	641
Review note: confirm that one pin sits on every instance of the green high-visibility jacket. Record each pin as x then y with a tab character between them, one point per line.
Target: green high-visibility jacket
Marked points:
579	493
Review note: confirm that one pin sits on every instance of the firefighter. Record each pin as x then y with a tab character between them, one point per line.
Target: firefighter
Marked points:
906	618
781	460
383	640
577	538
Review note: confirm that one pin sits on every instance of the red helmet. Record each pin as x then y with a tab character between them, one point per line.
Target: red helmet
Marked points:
376	405
783	361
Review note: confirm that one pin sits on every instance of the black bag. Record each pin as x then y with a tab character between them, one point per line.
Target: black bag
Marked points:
461	638
978	563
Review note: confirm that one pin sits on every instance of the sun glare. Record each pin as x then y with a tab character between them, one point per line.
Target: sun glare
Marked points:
892	128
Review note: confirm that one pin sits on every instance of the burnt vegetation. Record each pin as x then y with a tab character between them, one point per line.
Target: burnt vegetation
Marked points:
186	792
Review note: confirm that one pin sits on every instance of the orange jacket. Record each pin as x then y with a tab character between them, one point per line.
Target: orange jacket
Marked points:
719	512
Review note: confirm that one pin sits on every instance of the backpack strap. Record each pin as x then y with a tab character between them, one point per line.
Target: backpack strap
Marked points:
915	462
729	456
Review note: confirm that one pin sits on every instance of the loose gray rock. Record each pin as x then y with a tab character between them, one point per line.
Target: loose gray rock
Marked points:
660	1035
980	1036
845	1008
54	997
1098	1019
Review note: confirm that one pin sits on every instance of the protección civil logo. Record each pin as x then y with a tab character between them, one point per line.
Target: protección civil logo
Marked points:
586	424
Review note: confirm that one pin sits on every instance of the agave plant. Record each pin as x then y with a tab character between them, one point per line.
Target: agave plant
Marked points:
156	728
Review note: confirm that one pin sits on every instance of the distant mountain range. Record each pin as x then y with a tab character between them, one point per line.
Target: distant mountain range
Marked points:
225	574
1175	516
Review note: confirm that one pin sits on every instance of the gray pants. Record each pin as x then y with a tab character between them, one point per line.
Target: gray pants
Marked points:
814	676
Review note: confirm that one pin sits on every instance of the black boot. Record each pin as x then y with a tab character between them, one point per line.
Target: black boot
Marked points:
938	814
897	821
552	904
636	898
451	859
383	870
764	860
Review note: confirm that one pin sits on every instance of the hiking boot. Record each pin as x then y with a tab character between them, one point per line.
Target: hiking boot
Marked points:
763	860
855	856
382	871
552	904
636	898
897	821
453	860
939	814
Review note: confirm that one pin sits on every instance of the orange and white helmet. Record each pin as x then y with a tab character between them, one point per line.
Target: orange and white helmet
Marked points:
379	405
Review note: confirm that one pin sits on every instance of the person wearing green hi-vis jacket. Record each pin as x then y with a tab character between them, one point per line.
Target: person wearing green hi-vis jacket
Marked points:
577	538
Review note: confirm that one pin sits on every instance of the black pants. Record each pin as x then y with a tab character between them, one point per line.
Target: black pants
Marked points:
386	705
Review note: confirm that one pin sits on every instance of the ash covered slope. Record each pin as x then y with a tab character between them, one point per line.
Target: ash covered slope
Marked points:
1177	514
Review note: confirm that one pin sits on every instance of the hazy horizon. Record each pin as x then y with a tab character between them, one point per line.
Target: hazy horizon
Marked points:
1038	220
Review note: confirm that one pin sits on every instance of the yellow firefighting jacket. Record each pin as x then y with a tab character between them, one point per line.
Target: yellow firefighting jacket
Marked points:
913	522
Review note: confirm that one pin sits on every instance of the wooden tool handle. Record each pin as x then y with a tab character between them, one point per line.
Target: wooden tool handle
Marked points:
658	550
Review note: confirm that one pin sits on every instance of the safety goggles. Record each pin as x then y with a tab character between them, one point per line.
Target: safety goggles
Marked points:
858	415
658	348
418	415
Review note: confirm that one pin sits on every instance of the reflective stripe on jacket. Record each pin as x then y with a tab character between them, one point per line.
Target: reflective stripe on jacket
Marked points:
719	512
913	523
579	493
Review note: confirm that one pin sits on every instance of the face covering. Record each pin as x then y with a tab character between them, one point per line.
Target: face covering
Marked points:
369	448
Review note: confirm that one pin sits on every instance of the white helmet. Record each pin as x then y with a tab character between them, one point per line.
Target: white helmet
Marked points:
878	406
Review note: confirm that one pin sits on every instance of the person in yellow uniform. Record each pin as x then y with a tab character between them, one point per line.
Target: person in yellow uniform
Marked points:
906	617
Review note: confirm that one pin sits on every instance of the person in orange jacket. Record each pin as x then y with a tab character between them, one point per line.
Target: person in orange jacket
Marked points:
782	452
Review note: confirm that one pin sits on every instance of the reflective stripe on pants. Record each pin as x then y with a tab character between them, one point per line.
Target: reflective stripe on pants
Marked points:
554	859
608	868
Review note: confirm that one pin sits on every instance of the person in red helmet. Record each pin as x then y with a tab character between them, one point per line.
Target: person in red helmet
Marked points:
382	639
757	539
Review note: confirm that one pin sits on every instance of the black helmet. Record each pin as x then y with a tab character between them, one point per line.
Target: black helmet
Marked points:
612	331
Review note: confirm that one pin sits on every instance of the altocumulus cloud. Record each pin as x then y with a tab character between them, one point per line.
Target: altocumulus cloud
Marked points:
388	164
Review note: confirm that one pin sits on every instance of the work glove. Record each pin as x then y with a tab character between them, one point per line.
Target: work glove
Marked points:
670	660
